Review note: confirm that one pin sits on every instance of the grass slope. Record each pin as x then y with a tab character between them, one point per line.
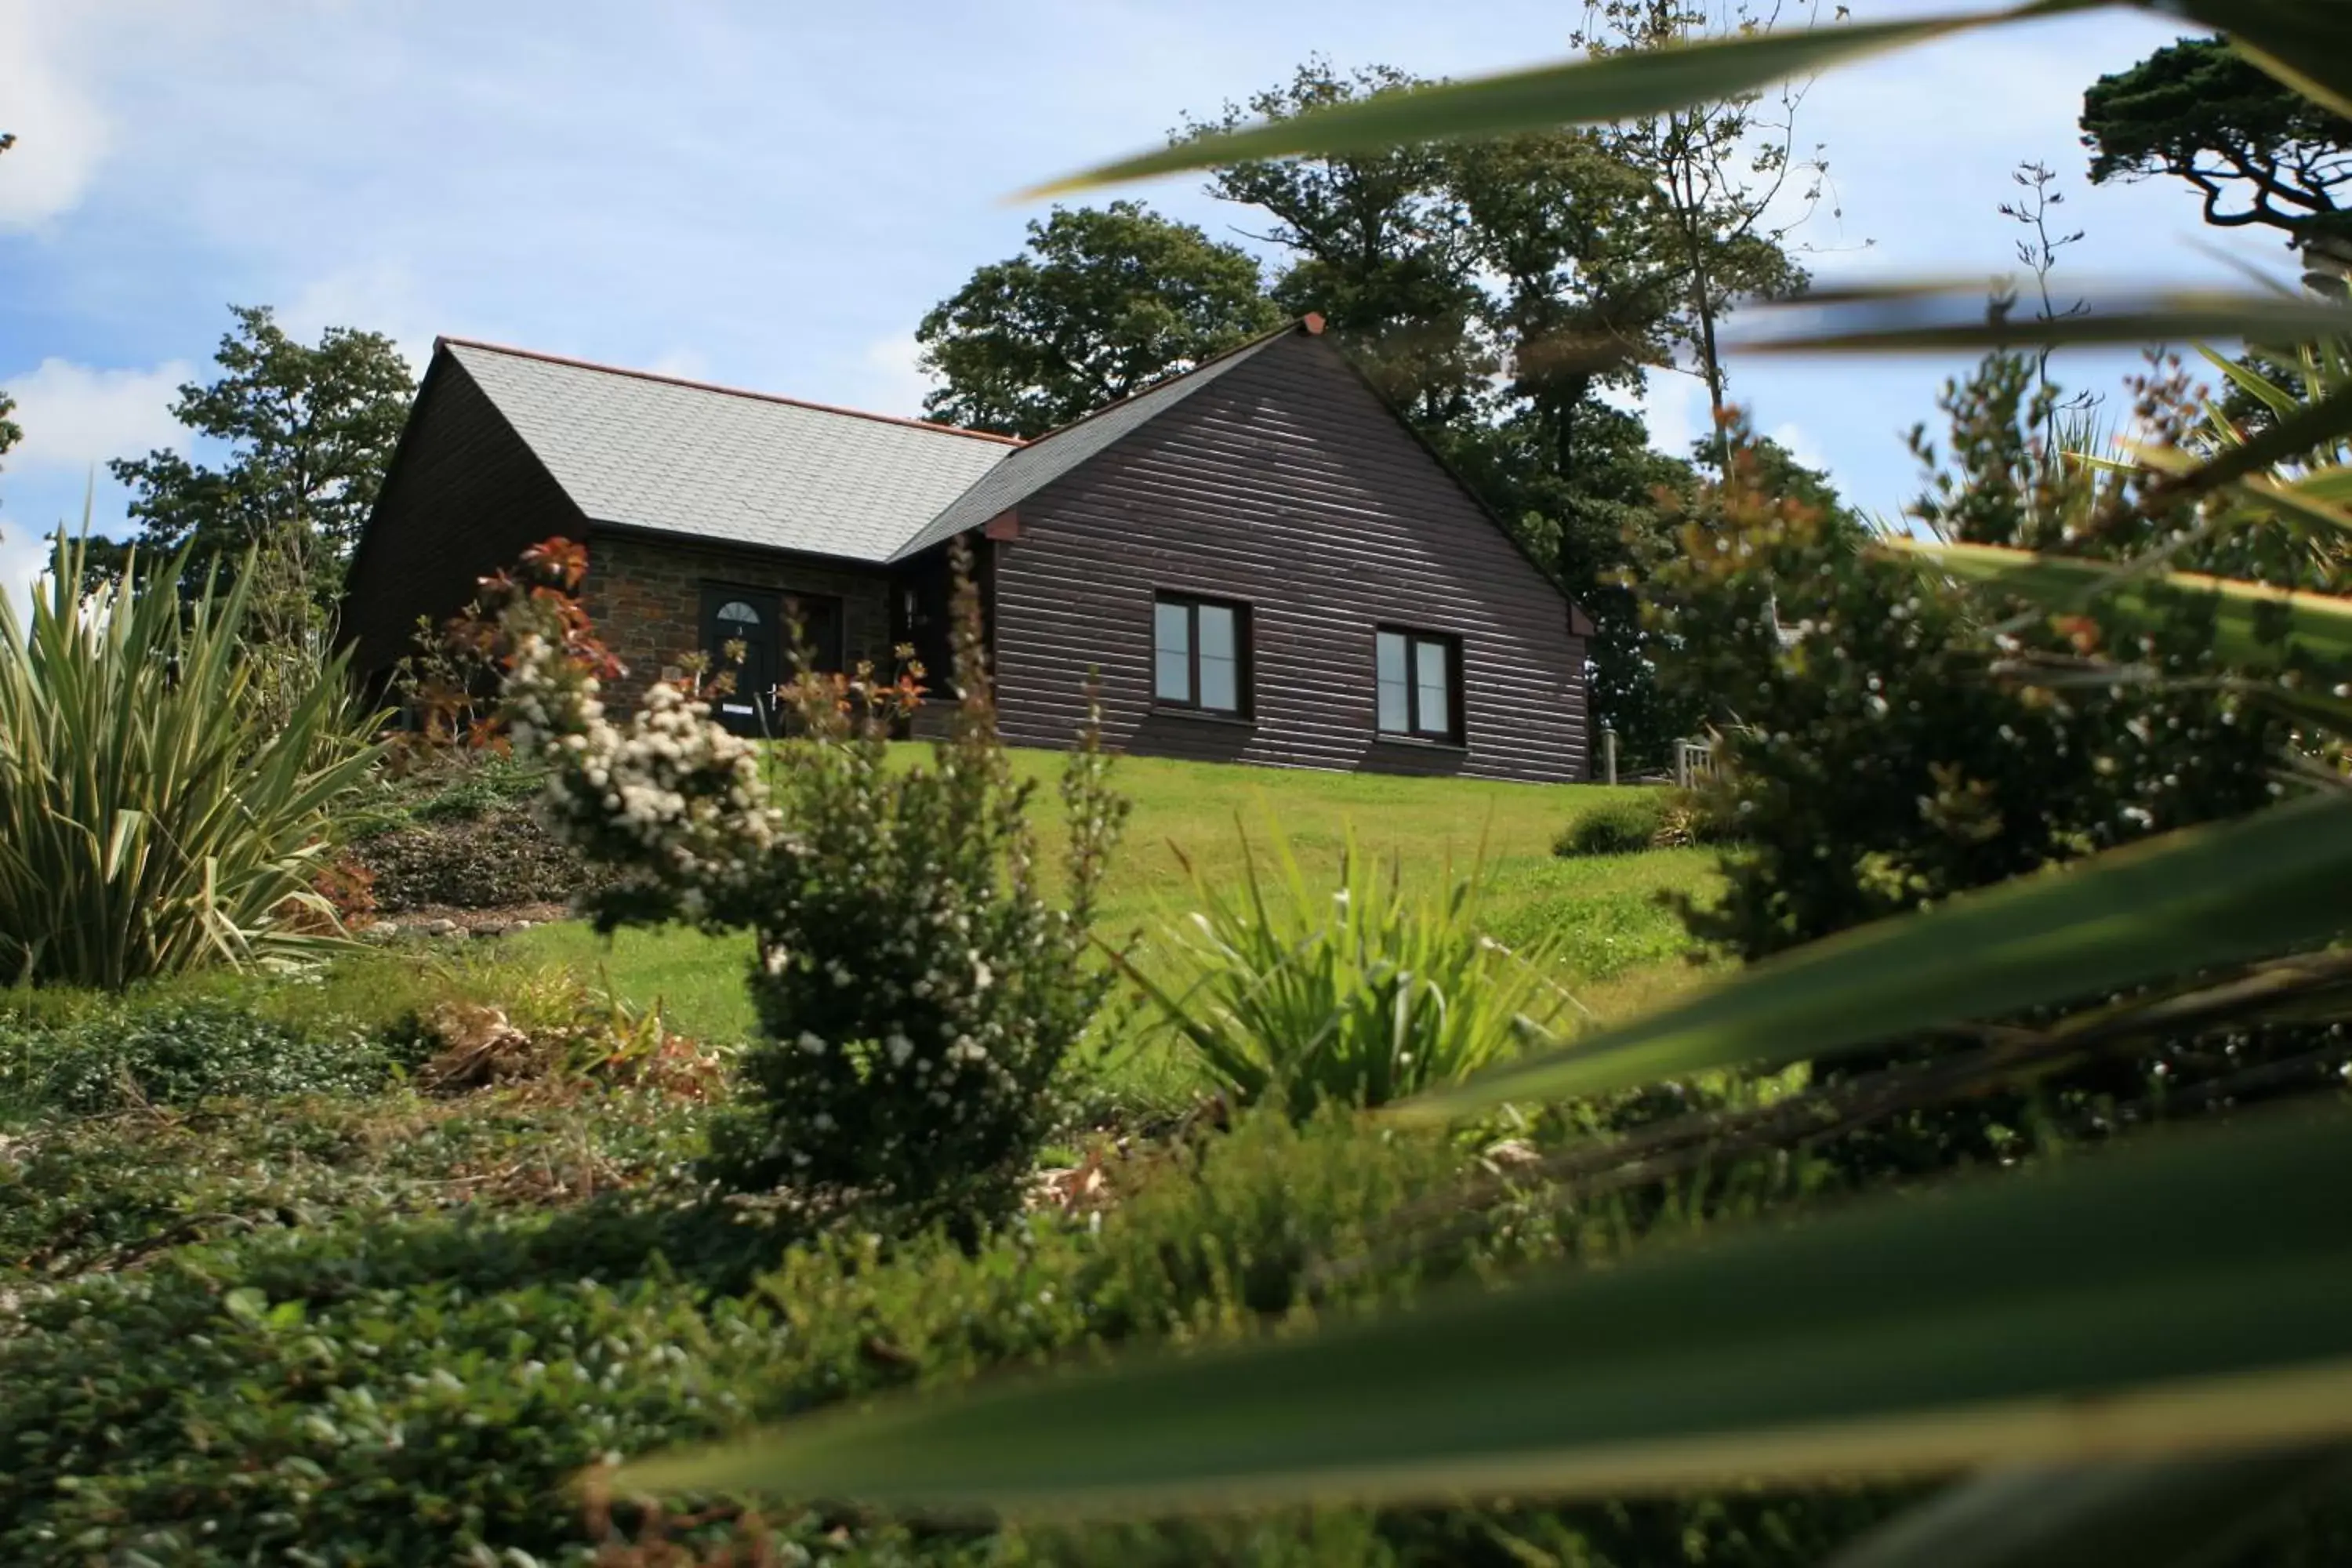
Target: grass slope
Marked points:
1618	947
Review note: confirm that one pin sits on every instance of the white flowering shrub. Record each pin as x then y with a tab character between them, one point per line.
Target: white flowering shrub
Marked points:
917	987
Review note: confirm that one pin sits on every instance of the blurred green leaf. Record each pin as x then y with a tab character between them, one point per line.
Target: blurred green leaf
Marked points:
1983	1323
1578	92
2294	435
2319	623
2176	1513
2165	907
2299	502
1936	316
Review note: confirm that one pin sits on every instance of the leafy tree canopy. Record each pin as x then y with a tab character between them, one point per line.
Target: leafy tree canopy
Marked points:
310	430
2259	151
1104	302
1377	242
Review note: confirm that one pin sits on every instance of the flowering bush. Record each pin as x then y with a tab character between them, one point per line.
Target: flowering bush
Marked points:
917	989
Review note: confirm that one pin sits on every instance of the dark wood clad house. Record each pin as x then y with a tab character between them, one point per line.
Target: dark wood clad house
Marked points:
1261	561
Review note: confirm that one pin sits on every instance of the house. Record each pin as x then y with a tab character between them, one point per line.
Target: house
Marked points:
1264	563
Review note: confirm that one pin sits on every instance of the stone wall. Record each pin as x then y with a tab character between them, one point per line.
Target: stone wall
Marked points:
646	596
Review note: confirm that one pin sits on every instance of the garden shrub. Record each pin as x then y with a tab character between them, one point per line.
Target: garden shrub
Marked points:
1881	756
1358	994
166	796
293	1400
1614	827
918	989
1880	752
473	784
1692	816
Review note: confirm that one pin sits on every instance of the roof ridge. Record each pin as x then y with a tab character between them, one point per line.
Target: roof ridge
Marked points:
545	358
1311	324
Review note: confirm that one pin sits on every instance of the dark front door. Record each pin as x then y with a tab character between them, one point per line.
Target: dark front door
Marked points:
761	626
741	632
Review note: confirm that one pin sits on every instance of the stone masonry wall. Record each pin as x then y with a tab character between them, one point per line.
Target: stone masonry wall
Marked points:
646	597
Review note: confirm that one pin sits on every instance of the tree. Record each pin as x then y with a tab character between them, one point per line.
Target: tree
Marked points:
309	431
1718	172
1580	304
2261	154
1106	302
1377	242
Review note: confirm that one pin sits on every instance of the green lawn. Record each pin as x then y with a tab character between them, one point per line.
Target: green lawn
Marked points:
1618	948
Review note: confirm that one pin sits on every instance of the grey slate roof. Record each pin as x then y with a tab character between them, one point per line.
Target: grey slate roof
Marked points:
1034	466
646	451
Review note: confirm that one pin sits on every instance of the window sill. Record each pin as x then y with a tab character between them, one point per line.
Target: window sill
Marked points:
1420	743
1203	716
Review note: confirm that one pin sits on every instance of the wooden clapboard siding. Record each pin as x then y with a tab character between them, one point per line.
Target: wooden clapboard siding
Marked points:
1286	485
465	497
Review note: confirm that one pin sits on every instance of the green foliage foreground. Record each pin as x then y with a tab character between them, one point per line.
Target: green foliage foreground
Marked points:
1912	1334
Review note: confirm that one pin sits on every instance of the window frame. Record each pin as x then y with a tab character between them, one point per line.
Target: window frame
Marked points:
1244	656
1456	730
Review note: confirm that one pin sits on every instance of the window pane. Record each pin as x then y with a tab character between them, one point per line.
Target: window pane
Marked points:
1221	664
1172	641
737	612
1435	687
1390	668
1217	640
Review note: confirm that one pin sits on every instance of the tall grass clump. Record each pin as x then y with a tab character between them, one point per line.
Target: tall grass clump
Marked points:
156	812
1361	995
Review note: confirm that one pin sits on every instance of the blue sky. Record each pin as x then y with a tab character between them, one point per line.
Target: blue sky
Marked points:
771	194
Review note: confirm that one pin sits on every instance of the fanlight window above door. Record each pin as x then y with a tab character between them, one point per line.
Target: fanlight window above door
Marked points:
737	613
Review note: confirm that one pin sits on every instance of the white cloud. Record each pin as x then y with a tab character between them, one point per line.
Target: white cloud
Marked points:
75	415
1672	406
382	297
890	380
686	364
24	564
1800	446
61	134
